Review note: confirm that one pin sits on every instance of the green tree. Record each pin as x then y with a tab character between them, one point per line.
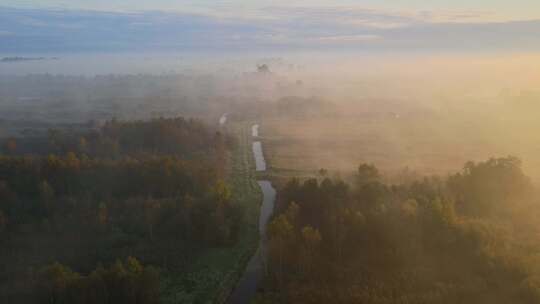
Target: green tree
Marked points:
367	173
491	187
311	239
53	282
281	236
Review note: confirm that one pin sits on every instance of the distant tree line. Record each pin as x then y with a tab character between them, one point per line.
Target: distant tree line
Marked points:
188	138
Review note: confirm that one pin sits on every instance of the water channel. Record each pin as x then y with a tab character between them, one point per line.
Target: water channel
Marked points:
246	287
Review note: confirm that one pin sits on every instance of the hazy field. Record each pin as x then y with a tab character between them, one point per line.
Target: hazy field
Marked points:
393	144
424	121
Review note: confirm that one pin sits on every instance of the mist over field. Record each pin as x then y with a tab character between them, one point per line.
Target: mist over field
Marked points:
272	152
398	111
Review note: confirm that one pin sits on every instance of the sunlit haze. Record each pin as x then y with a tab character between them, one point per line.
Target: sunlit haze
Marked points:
256	152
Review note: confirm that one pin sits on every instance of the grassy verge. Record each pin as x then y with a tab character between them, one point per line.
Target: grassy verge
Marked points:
212	276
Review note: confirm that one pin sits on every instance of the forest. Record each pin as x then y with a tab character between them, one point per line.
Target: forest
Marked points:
470	237
103	215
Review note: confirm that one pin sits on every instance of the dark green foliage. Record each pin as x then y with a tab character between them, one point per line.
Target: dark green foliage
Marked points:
123	282
132	191
153	190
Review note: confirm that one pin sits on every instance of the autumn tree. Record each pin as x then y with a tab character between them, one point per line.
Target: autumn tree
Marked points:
281	234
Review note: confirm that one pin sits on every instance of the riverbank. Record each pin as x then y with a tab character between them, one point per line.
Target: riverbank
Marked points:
213	275
247	286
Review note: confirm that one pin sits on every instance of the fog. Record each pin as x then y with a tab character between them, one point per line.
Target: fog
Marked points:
429	113
294	151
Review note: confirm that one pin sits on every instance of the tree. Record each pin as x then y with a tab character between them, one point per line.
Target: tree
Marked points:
54	140
292	212
83	145
46	195
493	186
102	214
124	282
367	173
11	146
311	239
97	289
281	235
263	68
53	282
3	221
151	215
148	291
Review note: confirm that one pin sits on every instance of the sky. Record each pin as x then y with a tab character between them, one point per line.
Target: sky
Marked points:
505	9
40	26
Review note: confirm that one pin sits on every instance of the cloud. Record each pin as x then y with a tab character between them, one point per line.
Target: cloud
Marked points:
346	16
359	16
31	22
460	17
262	29
375	24
349	38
